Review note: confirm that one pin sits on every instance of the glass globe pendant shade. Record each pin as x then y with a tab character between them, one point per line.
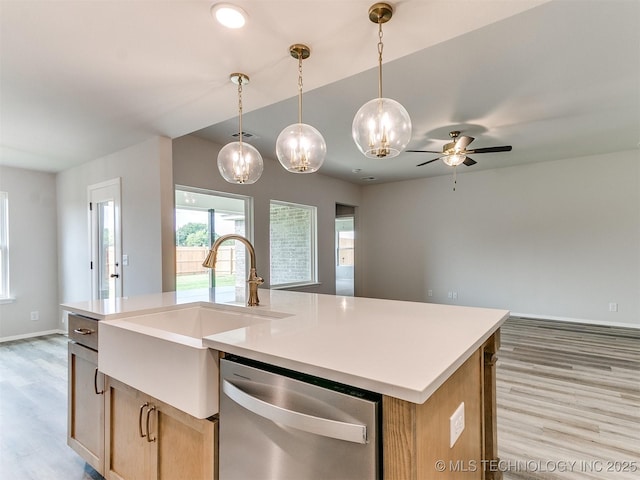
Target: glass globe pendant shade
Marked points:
381	128
454	160
240	162
300	148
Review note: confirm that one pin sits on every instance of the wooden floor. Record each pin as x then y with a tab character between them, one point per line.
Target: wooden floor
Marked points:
568	401
33	412
568	405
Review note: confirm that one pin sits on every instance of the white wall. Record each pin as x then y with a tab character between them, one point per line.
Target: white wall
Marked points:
33	253
555	239
147	219
194	165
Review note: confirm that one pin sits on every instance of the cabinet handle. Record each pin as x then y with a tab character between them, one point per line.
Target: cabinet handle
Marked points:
83	331
95	383
490	359
142	407
149	439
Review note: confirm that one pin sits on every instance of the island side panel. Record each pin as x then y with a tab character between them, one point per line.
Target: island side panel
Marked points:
490	426
416	438
399	439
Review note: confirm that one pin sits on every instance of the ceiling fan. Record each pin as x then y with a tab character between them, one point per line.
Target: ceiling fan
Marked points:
455	152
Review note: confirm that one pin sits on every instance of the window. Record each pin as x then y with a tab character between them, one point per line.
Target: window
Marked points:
4	245
201	217
293	244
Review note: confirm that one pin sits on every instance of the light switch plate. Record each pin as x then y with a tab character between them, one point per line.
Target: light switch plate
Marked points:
456	424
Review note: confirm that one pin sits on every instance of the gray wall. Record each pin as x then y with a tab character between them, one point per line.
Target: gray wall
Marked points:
32	253
554	239
194	165
147	219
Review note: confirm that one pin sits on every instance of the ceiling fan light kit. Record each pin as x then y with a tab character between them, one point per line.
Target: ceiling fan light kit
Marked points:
300	148
240	162
381	127
455	152
454	160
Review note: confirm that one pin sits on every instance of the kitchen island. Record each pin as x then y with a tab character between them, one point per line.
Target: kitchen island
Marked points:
425	360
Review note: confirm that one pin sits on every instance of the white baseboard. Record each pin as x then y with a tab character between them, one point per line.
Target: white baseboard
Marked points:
576	320
31	335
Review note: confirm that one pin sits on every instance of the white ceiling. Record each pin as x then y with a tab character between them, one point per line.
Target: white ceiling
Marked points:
555	79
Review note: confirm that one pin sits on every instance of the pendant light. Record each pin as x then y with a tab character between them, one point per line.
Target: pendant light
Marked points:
300	148
240	162
382	127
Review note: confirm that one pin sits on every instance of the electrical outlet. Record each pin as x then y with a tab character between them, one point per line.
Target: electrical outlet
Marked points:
456	425
450	295
35	316
430	293
455	295
613	307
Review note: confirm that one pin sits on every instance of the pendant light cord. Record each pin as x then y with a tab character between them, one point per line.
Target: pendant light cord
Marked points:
380	48
240	108
300	88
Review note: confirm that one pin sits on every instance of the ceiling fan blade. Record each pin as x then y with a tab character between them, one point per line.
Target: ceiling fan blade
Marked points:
428	161
505	148
423	151
462	142
469	161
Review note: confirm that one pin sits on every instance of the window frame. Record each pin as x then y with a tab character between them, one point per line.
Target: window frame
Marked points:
248	205
313	247
5	285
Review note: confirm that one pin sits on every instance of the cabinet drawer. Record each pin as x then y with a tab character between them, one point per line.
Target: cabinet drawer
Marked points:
83	330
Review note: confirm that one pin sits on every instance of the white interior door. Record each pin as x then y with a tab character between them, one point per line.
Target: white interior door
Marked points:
106	239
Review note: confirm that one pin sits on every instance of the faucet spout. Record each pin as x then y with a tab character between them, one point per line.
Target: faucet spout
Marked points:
253	280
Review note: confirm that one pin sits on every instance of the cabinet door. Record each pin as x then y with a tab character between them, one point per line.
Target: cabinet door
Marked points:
185	446
127	451
85	432
148	439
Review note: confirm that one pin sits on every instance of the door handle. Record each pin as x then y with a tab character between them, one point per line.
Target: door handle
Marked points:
350	432
114	275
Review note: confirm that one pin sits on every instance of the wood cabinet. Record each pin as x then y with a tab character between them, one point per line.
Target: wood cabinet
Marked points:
148	439
416	437
85	429
125	434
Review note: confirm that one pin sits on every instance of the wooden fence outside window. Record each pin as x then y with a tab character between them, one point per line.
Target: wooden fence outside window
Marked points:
189	260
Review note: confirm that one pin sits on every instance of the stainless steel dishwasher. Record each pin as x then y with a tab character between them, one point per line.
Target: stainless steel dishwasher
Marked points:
276	424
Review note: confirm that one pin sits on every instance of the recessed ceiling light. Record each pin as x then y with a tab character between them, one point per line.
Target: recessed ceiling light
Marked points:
229	15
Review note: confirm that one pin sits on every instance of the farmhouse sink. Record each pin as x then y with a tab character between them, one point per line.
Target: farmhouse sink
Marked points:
162	355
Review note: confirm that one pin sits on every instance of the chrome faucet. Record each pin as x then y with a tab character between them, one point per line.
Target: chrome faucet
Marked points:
253	280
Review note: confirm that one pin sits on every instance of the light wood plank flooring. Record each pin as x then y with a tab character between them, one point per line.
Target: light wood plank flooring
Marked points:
566	393
33	412
568	401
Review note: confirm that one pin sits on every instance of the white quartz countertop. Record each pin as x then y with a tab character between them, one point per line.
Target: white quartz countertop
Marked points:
401	349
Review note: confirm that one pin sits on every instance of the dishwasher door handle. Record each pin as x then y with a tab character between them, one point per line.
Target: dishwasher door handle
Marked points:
349	432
